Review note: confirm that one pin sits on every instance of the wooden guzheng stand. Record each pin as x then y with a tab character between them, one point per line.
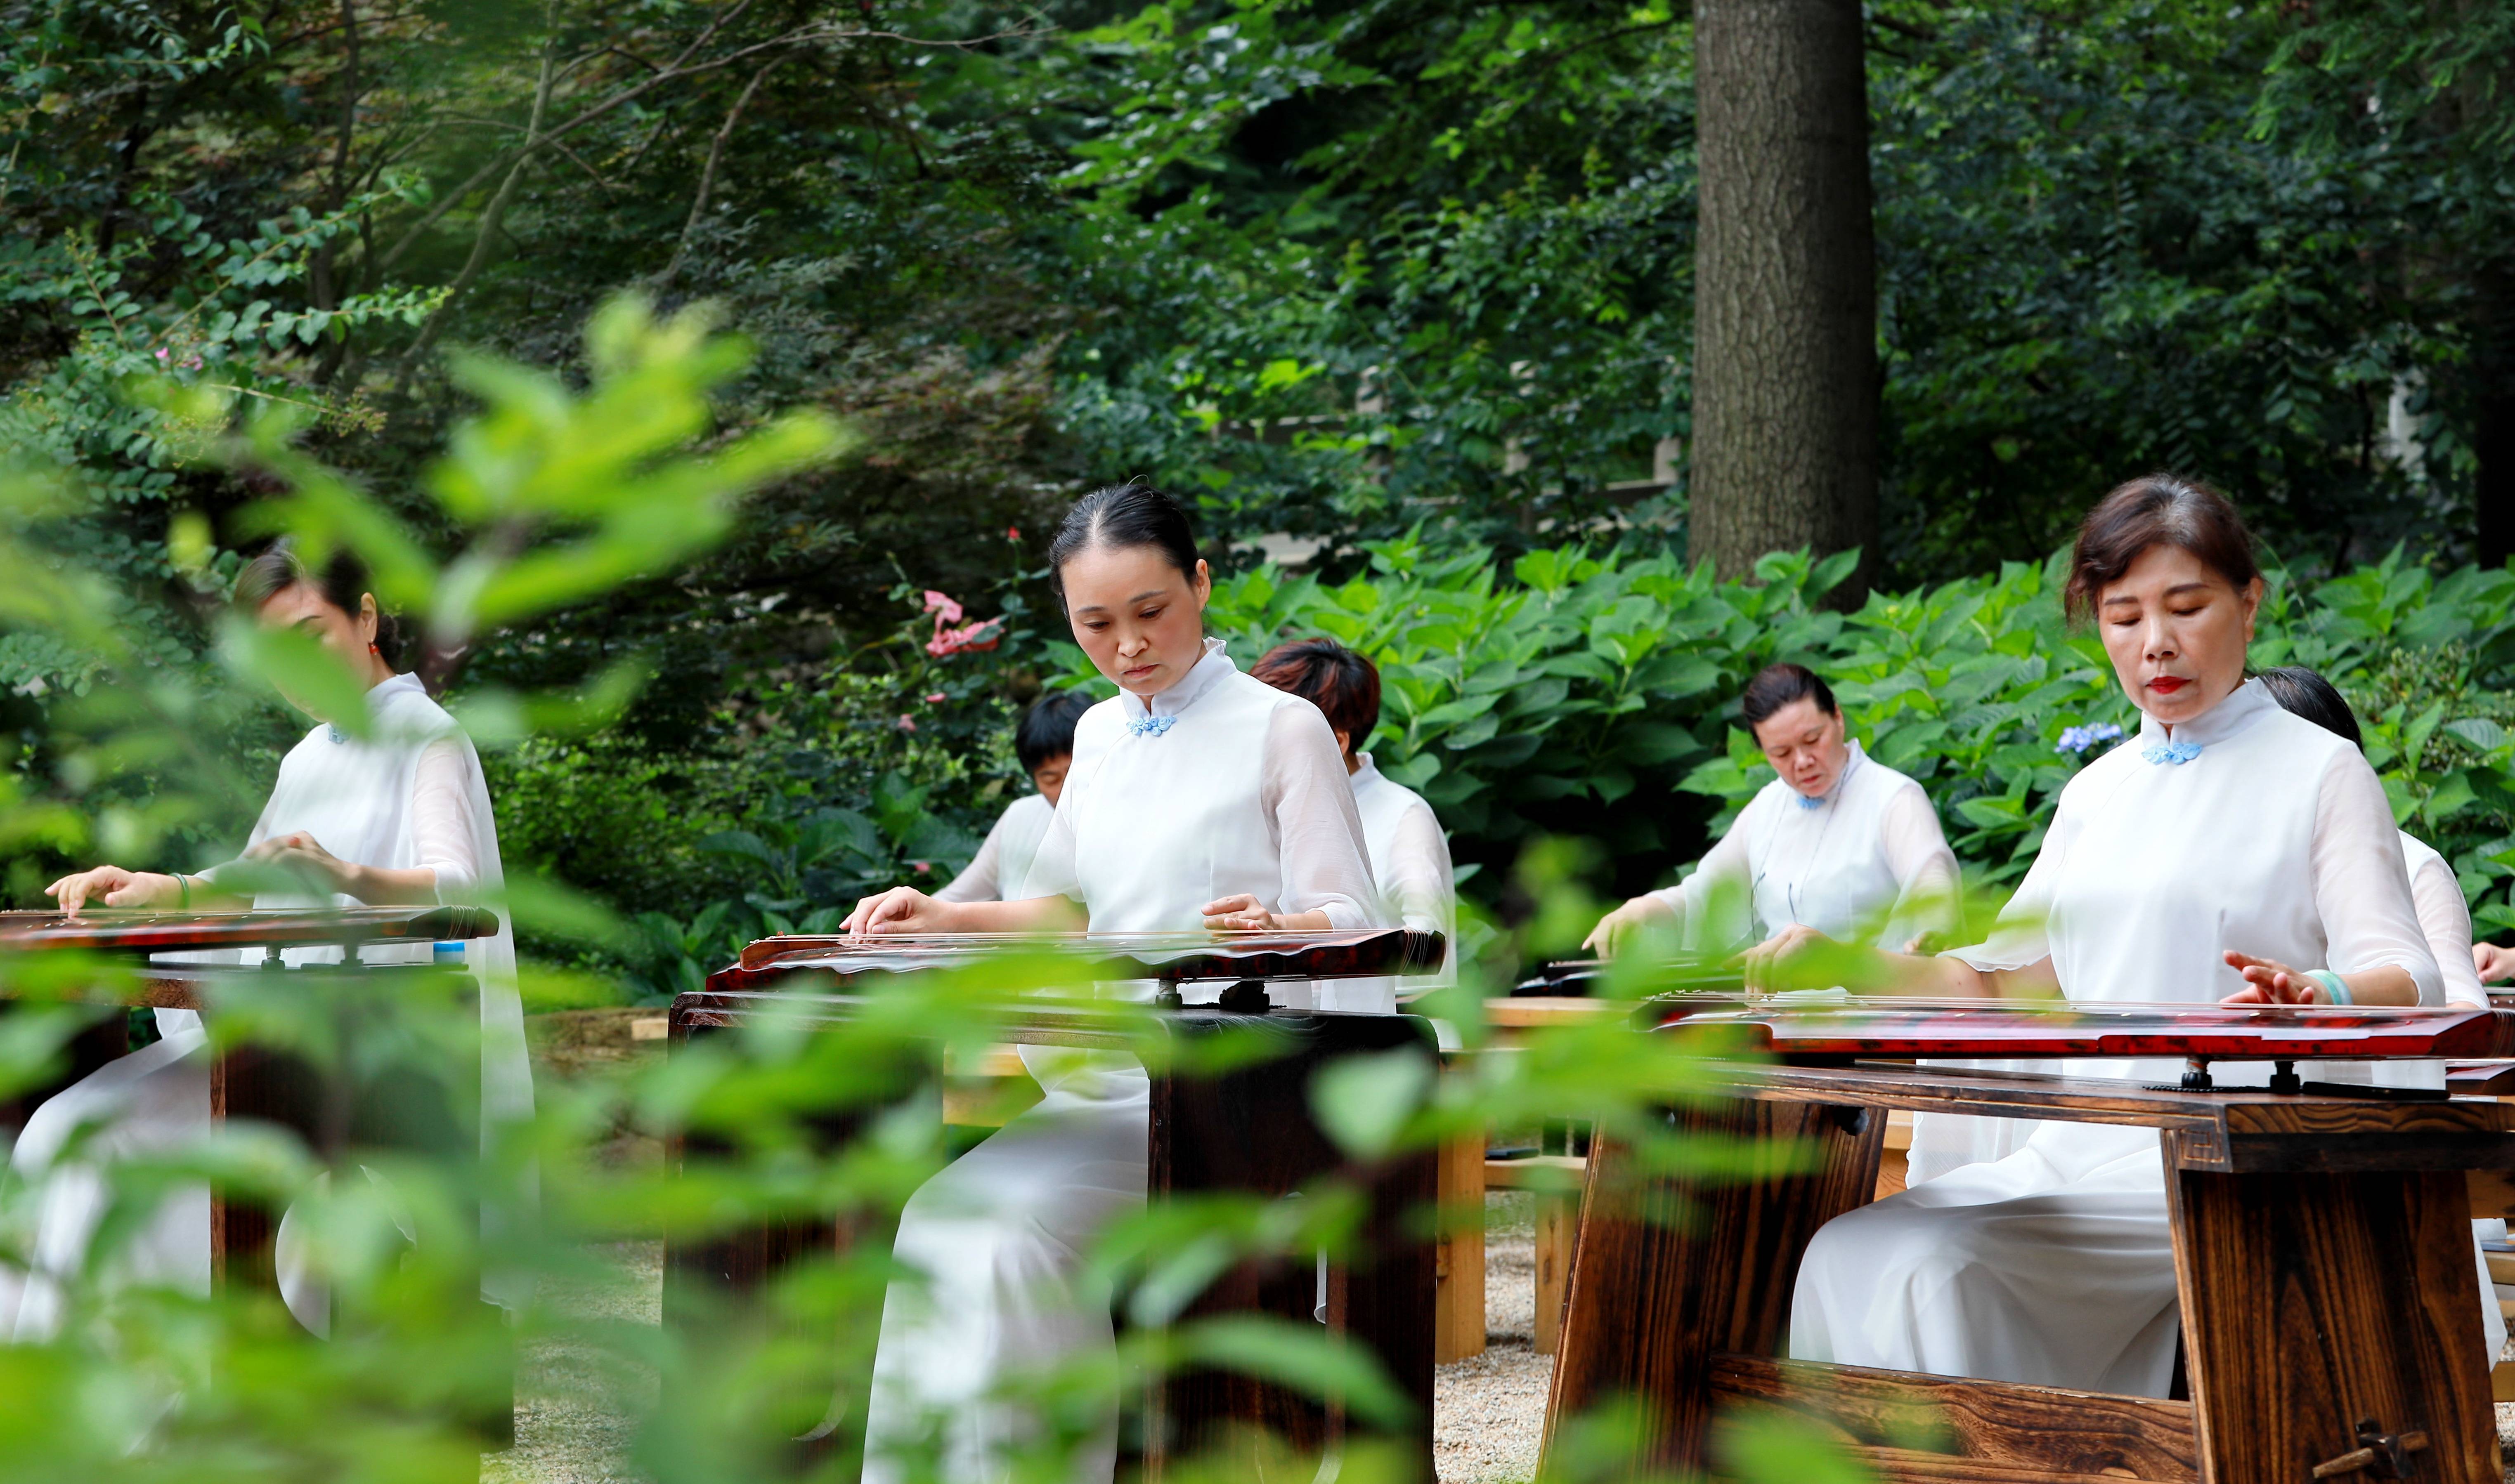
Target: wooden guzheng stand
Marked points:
251	1081
2322	1243
1248	1130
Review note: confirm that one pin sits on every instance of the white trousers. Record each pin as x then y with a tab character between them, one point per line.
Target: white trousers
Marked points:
149	1102
1002	1237
2053	1267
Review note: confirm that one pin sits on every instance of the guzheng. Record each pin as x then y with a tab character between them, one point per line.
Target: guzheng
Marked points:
1171	958
1684	974
1905	1027
107	931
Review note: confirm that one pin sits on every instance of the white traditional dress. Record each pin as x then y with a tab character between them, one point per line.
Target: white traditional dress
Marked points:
1410	861
997	873
1864	863
2446	919
410	794
2250	829
1221	784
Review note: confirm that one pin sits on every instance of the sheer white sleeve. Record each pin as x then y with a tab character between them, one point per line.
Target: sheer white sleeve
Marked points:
978	882
1414	881
1052	871
2444	920
1309	799
1925	869
1718	885
442	829
2362	889
2022	937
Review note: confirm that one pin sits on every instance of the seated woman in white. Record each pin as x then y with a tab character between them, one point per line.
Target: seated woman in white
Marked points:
1044	741
2232	852
1410	855
400	817
1199	798
1840	842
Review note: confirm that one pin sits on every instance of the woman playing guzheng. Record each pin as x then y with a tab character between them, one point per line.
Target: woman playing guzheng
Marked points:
1839	841
399	817
2231	851
1198	798
1410	856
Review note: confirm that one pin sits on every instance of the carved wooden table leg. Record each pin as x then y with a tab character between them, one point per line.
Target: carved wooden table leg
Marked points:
1667	1272
2315	1303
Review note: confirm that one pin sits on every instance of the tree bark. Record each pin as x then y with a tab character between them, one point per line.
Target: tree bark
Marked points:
1785	285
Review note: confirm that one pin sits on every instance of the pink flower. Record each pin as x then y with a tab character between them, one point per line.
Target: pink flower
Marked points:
1013	533
907	724
922	867
938	603
936	699
974	637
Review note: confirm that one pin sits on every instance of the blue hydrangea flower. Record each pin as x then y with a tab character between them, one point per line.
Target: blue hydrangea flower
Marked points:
2077	740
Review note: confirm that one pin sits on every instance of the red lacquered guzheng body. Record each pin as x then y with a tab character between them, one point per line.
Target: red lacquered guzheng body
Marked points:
1914	1027
106	930
1171	958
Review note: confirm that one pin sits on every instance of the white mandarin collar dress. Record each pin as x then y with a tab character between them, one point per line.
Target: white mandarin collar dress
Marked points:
1221	784
1410	861
1864	863
2444	920
2054	1265
1001	868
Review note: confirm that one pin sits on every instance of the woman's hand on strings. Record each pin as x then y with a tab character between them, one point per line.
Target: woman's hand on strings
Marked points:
1784	959
901	909
1240	913
2492	963
304	858
113	886
1618	927
2268	982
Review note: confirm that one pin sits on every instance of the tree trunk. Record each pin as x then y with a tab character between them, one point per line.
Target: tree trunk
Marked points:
1786	284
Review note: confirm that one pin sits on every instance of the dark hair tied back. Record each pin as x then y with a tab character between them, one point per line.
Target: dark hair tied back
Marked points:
2304	692
2145	512
1122	516
1778	686
343	583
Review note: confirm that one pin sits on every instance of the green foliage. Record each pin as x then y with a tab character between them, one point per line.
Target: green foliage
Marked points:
145	1381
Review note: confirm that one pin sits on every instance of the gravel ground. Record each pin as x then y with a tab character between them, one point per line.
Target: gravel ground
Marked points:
574	1416
1489	1409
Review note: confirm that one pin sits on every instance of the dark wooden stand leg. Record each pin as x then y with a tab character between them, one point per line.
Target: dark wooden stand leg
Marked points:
106	1038
1665	1273
1251	1131
248	1082
2312	1303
